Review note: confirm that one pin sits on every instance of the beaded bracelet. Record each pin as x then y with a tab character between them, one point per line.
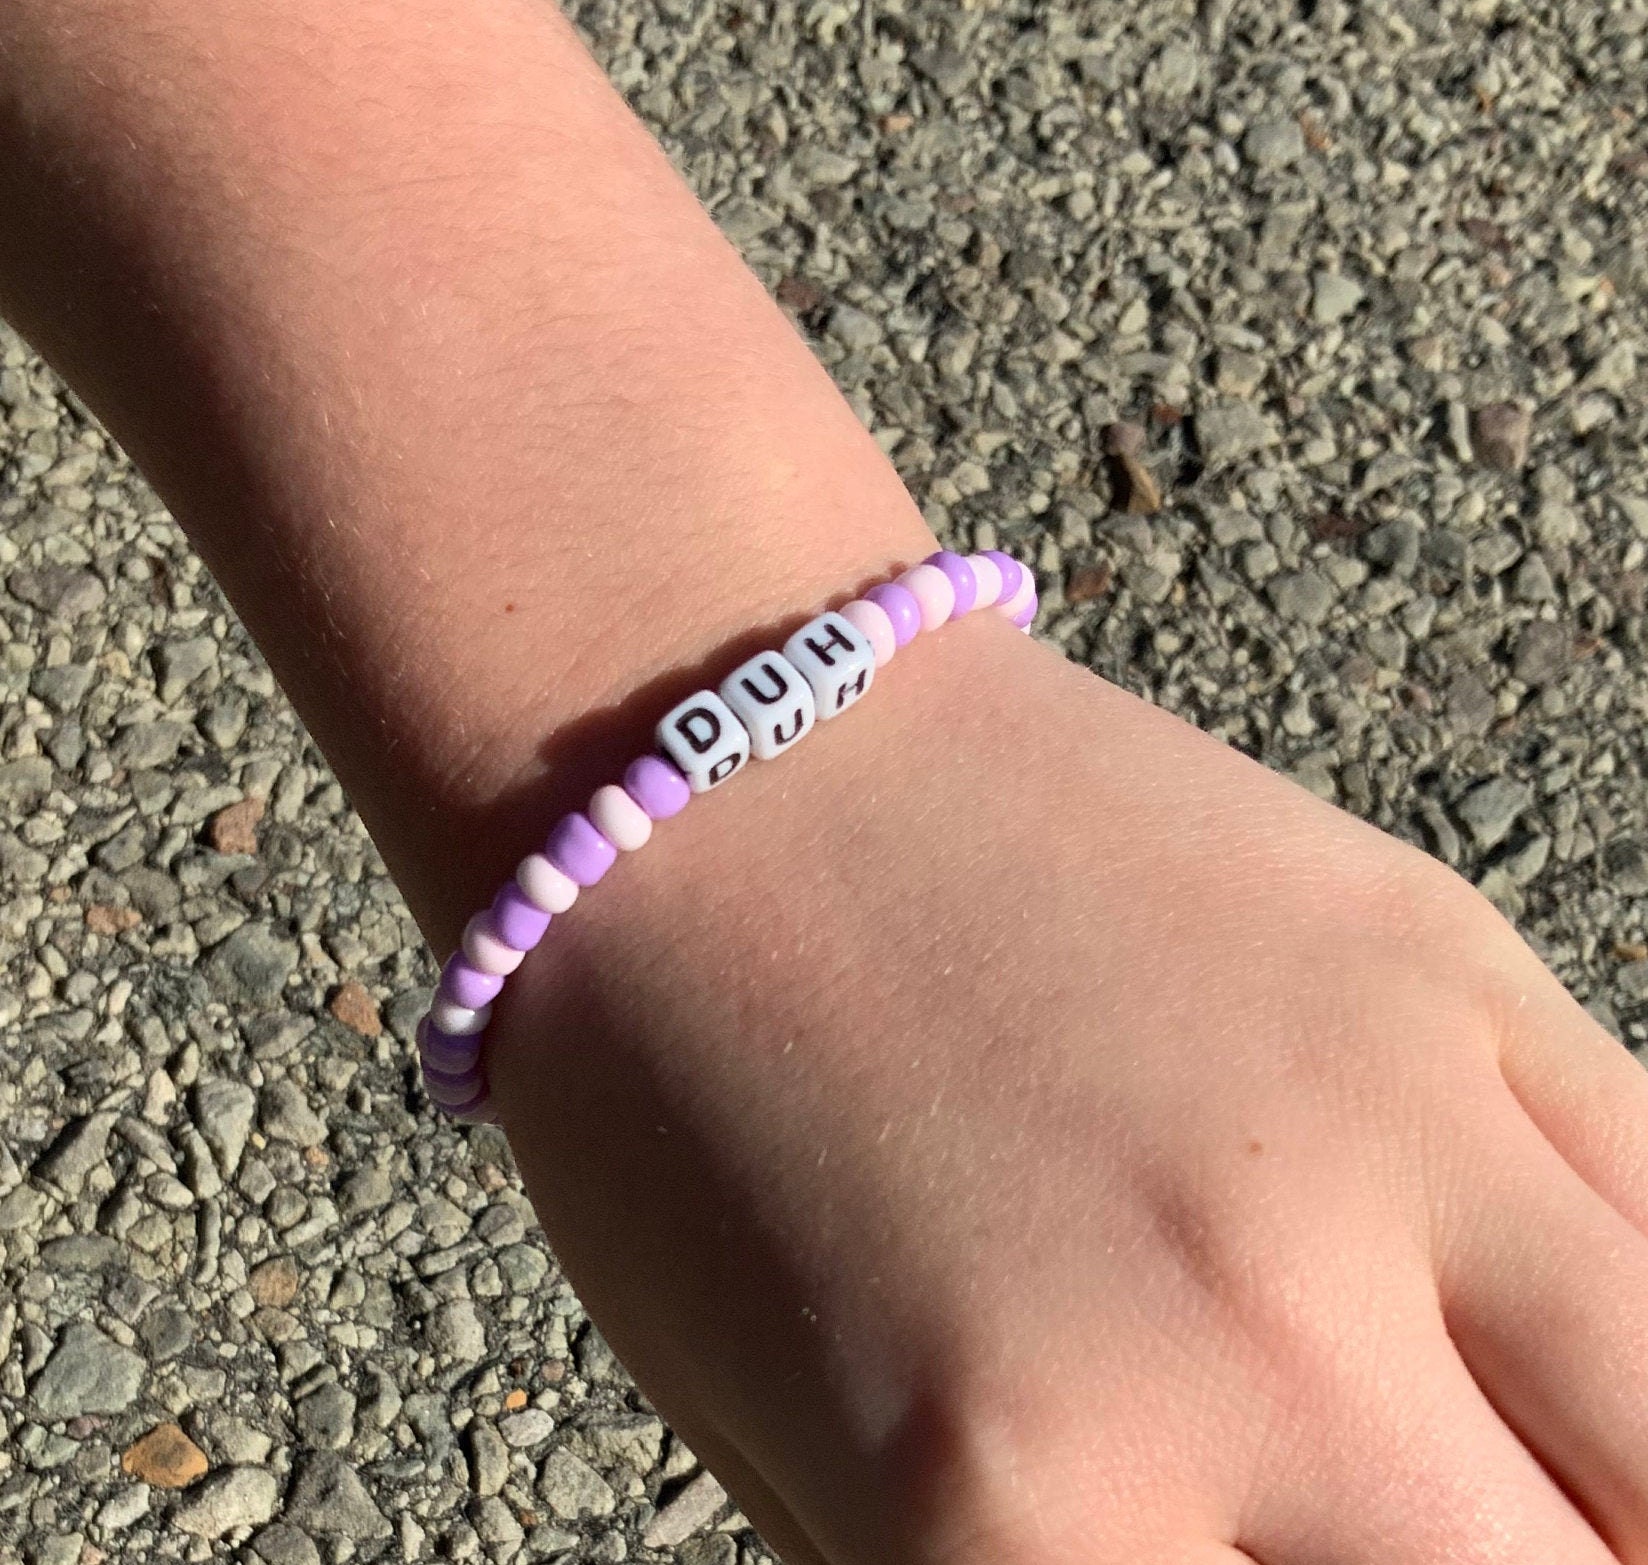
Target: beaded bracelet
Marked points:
762	708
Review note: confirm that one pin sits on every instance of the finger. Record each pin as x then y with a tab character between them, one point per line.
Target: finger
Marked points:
1545	1292
1420	1470
1586	1092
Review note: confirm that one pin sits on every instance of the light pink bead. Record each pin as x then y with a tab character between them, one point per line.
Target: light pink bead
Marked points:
544	886
458	1020
871	620
931	588
486	952
1016	604
619	818
988	576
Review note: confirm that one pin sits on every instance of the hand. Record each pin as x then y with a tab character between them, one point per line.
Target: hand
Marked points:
1014	1126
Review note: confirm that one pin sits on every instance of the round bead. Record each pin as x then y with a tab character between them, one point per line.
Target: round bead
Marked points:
931	588
656	786
461	1021
960	576
485	950
1027	615
517	920
443	1052
1026	593
1012	574
987	578
544	886
900	607
467	985
481	1111
871	621
619	818
452	1092
578	850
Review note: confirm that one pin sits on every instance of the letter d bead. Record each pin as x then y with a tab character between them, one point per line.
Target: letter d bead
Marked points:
705	740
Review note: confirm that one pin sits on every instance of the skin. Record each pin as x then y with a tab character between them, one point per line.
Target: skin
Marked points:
1011	1127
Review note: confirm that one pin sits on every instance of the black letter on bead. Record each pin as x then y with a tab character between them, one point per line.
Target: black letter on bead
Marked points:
781	685
856	686
780	737
701	740
821	649
724	768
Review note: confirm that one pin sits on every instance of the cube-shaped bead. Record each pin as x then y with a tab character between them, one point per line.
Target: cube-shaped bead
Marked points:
835	658
771	699
705	740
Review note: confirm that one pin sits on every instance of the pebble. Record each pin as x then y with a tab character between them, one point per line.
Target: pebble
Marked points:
284	1114
1490	809
326	1417
227	1501
1335	298
1275	144
530	1427
694	1507
233	829
223	1113
488	1459
86	1373
330	1501
1500	436
572	1488
181	663
165	1457
352	1005
252	964
454	1331
1230	432
274	1282
280	1543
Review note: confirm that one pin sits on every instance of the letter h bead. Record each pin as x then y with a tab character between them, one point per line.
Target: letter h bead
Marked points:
705	740
836	659
771	699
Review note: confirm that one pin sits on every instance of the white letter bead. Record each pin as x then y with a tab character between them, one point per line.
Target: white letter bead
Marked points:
771	699
458	1021
548	889
835	657
706	742
619	818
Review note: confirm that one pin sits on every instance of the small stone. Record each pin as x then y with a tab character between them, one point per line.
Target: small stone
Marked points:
280	1543
454	1331
62	688
165	1457
275	1282
1238	374
1532	581
1500	436
853	329
60	590
103	918
223	1113
24	783
81	1147
1625	860
488	1459
352	1005
166	1331
1334	298
326	1417
694	1507
1543	653
181	663
528	1428
495	1523
1615	372
330	1501
366	1190
253	963
1124	439
284	1114
1491	808
236	1497
143	746
1173	73
1305	597
715	1548
234	828
1273	145
1088	583
1141	495
572	1488
1228	432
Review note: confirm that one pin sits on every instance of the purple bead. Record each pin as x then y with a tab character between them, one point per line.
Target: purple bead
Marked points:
960	576
900	606
578	850
1012	573
441	1051
453	1081
468	986
656	786
516	921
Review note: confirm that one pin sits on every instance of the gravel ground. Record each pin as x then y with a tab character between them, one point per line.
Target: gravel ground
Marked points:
1296	346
